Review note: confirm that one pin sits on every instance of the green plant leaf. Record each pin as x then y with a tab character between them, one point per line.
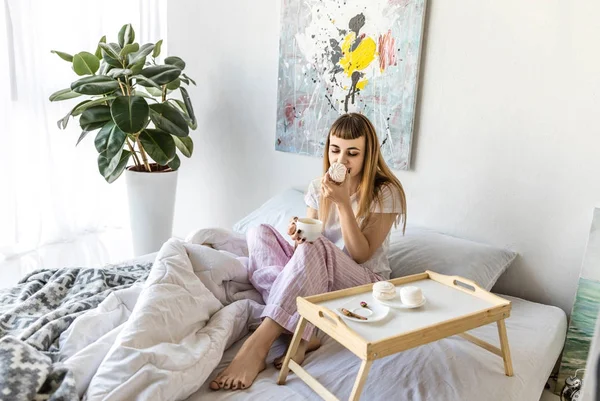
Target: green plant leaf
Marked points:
184	80
180	107
98	52
159	145
174	163
85	63
94	118
185	145
138	67
81	107
110	140
107	165
174	84
83	135
63	94
153	91
178	104
130	48
125	155
119	72
113	62
168	119
142	80
62	123
111	50
130	113
161	74
95	85
188	105
140	55
126	35
185	76
157	47
143	94
104	67
175	61
64	56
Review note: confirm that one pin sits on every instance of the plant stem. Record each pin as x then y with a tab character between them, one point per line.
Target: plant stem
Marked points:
164	93
121	85
135	158
143	153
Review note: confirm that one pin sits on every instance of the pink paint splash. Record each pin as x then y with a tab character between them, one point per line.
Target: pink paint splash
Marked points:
289	113
387	50
294	111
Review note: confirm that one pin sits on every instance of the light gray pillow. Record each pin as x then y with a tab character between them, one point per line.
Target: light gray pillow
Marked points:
277	212
422	249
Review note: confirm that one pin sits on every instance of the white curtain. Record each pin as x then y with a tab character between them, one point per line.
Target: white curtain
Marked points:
50	190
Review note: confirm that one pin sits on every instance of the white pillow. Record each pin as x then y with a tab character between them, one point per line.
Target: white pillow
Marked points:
422	249
277	211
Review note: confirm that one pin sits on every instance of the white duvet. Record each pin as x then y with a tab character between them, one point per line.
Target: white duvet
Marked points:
161	340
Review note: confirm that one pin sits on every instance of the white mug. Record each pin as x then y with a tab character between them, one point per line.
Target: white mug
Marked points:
311	228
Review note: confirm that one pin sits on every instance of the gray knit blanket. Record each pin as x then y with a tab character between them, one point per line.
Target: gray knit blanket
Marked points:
35	312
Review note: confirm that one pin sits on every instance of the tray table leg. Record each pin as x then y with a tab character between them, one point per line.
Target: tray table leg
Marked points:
285	368
363	373
508	368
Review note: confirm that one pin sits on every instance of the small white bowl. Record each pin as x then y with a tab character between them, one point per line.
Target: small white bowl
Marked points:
411	295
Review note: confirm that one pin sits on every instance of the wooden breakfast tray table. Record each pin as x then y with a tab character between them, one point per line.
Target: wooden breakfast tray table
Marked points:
453	306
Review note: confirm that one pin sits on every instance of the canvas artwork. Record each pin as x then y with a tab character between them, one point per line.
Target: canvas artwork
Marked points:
340	56
585	309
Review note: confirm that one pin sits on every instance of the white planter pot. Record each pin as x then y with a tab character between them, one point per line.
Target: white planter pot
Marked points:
151	208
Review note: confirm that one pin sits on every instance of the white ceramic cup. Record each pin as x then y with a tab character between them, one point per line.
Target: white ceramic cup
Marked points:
311	228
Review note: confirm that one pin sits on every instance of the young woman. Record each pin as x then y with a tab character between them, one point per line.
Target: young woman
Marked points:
357	216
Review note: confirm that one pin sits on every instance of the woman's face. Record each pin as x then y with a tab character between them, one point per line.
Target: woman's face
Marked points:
349	152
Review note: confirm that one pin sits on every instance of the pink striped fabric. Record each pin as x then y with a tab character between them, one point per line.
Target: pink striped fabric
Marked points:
281	275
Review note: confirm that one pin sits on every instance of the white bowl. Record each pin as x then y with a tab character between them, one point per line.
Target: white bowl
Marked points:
411	295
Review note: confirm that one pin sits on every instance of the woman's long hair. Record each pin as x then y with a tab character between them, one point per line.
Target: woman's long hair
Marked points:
375	174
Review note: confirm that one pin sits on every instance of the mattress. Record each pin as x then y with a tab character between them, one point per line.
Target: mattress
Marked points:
449	369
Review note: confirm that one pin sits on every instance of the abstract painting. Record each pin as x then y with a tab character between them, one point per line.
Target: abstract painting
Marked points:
585	309
340	56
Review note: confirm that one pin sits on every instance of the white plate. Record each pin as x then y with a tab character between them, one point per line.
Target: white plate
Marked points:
397	303
373	313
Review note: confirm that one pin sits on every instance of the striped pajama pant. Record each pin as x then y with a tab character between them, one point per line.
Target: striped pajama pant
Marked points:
281	274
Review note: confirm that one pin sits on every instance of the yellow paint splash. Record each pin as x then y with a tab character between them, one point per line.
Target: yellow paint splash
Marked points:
361	84
360	58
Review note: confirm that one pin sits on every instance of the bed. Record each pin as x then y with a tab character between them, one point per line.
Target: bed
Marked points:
449	369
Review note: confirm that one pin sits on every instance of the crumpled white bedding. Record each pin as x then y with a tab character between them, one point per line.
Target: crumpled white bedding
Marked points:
162	339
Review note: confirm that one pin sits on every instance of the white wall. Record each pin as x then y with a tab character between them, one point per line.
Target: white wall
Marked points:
506	147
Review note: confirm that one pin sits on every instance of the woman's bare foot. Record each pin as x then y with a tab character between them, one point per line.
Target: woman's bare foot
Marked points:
303	348
250	359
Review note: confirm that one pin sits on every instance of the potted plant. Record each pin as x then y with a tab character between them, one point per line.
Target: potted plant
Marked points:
129	107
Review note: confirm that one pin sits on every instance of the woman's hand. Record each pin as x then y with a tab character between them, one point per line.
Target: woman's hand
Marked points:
295	233
338	193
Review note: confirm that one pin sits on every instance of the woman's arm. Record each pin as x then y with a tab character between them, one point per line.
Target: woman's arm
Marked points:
361	245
